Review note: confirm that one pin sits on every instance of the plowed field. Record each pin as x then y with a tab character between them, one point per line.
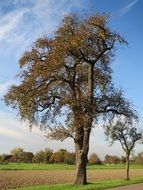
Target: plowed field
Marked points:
12	179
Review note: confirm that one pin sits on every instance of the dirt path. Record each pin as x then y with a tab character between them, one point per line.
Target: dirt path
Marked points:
20	178
129	187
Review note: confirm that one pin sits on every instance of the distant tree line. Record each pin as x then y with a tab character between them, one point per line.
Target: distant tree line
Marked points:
62	156
18	155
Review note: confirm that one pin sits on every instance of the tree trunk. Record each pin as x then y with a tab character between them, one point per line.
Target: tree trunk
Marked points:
83	129
127	167
81	147
81	175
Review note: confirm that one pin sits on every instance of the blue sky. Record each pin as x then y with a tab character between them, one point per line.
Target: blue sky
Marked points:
23	21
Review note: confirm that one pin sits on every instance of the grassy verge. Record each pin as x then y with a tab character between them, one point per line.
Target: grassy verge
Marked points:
23	166
100	185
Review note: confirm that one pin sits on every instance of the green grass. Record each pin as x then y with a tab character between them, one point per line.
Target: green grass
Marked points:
94	186
23	166
114	166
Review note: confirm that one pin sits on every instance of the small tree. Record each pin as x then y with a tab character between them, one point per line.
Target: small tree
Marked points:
94	159
123	159
116	159
139	158
27	157
127	135
59	156
17	154
70	158
47	153
5	158
109	159
38	157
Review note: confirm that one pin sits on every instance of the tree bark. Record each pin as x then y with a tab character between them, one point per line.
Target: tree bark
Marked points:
82	147
81	175
127	167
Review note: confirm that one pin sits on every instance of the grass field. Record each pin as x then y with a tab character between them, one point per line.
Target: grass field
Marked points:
23	166
100	185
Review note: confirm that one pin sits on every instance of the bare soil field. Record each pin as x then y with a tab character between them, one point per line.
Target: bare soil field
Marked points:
11	179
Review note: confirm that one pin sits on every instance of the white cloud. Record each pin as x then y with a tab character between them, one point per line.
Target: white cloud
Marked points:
9	22
127	8
14	133
35	19
10	133
13	128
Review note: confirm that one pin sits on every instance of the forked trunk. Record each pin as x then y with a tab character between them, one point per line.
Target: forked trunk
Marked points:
81	175
81	147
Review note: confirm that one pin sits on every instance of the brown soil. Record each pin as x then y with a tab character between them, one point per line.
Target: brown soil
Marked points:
12	179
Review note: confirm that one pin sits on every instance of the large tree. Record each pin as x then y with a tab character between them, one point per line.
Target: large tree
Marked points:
69	74
17	154
127	135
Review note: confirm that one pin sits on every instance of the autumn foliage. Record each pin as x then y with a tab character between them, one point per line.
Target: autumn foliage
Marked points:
68	76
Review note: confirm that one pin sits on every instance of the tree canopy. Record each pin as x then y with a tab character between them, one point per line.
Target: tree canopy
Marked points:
54	74
127	133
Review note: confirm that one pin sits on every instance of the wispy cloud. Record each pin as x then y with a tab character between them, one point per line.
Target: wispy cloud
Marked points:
10	133
13	128
26	21
15	133
128	7
9	22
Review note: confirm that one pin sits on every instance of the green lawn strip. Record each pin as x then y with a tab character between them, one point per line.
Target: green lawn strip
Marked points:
24	166
99	185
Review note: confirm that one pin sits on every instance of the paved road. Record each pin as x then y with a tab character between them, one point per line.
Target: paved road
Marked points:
129	187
